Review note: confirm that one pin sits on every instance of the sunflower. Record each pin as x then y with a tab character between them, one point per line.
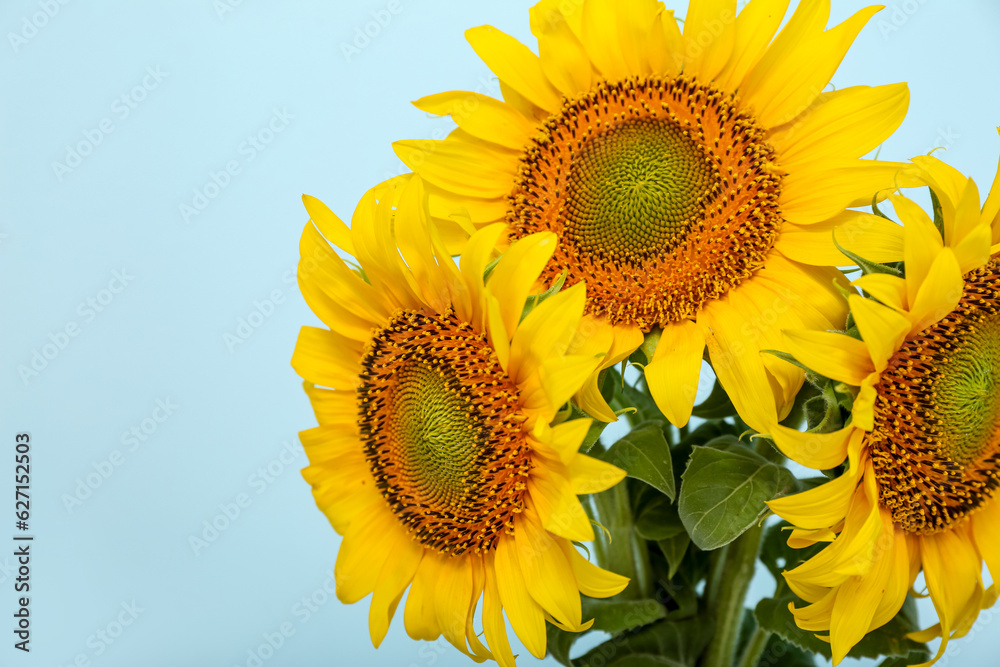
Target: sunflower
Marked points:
440	456
923	446
692	178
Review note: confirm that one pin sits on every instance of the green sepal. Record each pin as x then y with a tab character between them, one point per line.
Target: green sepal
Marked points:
867	266
532	302
938	212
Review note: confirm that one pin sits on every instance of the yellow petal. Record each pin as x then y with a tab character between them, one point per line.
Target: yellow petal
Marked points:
525	615
672	375
546	571
851	553
516	272
463	167
740	369
788	86
600	36
453	595
515	65
944	179
419	616
858	599
864	234
592	580
889	290
493	624
498	337
363	552
666	45
473	262
563	56
922	243
481	116
590	475
396	575
882	329
833	355
986	532
321	358
846	123
812	196
709	37
546	332
819	451
755	26
991	209
821	507
558	507
332	227
951	571
564	438
939	293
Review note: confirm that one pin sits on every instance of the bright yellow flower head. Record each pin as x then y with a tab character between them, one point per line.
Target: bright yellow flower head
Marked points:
693	178
923	446
439	455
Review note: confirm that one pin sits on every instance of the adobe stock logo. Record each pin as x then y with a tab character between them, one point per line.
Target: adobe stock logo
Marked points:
122	107
363	36
31	25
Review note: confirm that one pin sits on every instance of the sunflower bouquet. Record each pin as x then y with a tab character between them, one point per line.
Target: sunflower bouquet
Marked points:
507	382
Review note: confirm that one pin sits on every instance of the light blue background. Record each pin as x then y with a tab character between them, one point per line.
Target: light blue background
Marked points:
163	336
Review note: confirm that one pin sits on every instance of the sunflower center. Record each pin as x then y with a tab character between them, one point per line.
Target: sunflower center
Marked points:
442	432
634	190
663	193
936	442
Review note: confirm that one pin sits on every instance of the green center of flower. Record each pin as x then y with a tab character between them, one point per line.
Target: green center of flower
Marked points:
936	442
435	433
636	188
965	392
443	431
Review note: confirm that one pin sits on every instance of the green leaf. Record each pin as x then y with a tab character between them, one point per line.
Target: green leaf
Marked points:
559	642
673	643
645	455
673	549
716	406
779	653
724	491
617	616
658	520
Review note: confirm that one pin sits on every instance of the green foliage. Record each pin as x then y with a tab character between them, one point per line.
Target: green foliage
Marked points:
724	490
645	455
616	616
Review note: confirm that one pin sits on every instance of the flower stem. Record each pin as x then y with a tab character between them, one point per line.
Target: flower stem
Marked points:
755	648
731	575
620	549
